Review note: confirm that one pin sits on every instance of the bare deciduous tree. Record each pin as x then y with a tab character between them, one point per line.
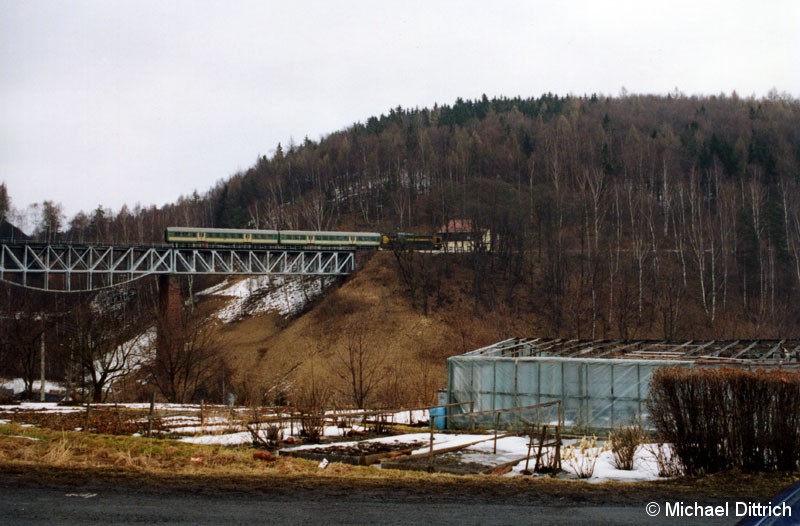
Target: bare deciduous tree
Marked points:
362	367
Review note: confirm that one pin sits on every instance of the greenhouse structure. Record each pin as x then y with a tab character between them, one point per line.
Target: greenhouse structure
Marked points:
600	384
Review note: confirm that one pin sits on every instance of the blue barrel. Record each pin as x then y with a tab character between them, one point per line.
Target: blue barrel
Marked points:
439	417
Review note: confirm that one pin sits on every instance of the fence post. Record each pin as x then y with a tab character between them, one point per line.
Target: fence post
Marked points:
496	426
430	449
150	415
472	415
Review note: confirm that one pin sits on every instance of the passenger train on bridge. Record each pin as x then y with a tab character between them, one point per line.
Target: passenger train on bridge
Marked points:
194	236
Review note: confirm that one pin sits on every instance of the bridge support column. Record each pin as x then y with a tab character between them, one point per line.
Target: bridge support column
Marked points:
170	328
170	308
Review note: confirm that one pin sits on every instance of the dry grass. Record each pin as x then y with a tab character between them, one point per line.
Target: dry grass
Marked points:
64	457
75	449
28	447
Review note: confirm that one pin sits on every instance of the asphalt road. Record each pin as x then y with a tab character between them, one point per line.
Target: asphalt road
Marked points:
123	504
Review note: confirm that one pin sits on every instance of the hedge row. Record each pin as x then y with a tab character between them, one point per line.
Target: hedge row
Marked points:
717	419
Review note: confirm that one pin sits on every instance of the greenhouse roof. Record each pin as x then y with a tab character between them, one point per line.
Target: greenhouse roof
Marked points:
769	351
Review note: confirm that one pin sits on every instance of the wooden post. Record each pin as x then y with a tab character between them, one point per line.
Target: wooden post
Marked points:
530	447
430	448
496	426
42	382
542	439
472	418
558	448
150	415
118	411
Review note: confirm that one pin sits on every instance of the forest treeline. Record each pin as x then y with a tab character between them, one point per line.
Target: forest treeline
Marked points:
632	216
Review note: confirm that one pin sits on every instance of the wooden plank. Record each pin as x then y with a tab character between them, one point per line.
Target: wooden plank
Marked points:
620	349
500	469
775	350
598	348
745	350
696	351
722	350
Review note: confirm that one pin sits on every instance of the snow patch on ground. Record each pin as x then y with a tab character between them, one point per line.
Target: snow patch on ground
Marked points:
513	448
286	295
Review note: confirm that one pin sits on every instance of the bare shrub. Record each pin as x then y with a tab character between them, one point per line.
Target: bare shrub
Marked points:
550	461
717	419
668	463
624	441
311	402
312	426
582	457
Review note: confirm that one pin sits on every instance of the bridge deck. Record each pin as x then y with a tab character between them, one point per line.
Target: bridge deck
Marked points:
72	268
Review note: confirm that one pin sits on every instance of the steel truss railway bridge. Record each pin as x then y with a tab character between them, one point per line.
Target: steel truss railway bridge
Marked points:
79	268
83	268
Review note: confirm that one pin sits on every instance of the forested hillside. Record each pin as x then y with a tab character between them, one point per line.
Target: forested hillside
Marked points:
640	215
636	216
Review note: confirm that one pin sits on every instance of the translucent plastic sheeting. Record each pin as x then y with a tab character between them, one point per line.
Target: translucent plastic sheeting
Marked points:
595	393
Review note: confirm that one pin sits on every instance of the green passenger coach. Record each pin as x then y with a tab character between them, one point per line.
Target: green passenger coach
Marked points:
225	236
318	238
234	236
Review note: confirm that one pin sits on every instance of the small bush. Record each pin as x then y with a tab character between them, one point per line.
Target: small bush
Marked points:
311	401
581	458
312	426
550	461
669	465
623	441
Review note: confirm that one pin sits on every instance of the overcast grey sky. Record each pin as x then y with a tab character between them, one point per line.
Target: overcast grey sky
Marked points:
106	102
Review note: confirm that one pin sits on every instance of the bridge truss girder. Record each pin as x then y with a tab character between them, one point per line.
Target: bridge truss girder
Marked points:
75	268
